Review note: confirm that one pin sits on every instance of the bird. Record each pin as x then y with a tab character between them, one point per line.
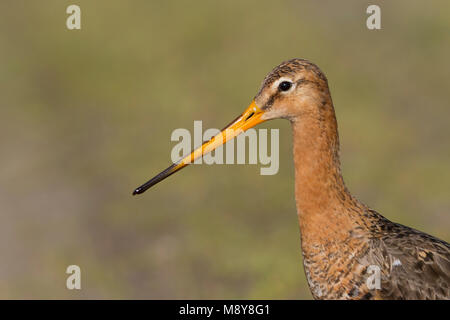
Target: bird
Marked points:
350	251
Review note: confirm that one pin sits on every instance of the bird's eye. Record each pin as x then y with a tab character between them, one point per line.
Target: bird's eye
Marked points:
285	86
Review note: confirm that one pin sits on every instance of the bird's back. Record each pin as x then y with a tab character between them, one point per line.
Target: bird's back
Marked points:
414	265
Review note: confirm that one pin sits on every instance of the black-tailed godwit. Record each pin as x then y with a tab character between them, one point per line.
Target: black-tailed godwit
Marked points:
345	244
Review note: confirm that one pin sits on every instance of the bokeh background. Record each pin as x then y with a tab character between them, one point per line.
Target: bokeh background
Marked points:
86	116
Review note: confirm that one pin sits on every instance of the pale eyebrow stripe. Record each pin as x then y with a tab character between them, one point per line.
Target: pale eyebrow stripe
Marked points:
278	81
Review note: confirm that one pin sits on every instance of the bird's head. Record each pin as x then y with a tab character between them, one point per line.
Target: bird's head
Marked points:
293	89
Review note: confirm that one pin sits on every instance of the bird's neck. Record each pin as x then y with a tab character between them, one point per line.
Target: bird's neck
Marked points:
326	210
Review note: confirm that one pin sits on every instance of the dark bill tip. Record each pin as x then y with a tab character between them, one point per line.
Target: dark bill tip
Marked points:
159	177
138	191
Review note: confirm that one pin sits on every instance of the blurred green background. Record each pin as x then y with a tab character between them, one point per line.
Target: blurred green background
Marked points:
86	116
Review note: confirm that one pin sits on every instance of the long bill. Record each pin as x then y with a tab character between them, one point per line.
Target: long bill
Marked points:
248	119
